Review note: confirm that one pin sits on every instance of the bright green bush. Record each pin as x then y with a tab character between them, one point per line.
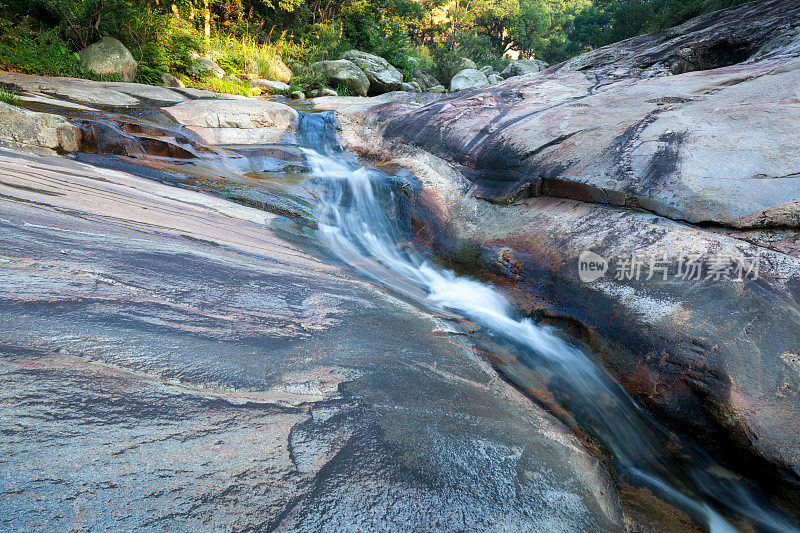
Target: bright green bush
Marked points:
46	54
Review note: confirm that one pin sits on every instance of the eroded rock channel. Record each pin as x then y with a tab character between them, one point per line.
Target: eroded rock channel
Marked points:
199	333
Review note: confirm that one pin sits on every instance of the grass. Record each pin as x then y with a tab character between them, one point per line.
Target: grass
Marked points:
224	85
46	55
10	97
243	57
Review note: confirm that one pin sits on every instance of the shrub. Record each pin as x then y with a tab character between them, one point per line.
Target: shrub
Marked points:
45	54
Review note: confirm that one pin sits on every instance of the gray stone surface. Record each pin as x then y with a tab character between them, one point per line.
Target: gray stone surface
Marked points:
522	67
382	76
45	130
203	66
236	121
169	361
468	79
109	57
171	81
343	72
271	85
425	79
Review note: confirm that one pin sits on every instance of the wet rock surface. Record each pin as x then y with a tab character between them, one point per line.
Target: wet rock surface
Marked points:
613	153
173	359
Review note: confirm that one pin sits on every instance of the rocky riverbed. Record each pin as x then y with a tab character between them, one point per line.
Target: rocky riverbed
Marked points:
172	358
663	146
179	349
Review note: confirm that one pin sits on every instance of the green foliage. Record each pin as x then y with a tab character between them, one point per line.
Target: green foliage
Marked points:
614	20
224	85
10	98
44	53
252	38
343	90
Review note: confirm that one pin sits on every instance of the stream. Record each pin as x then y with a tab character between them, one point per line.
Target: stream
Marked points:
353	211
353	222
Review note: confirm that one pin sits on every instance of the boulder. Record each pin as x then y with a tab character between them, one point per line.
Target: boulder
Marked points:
437	89
425	79
343	72
458	66
244	121
327	91
201	67
30	128
279	71
410	87
494	78
487	70
109	57
468	79
382	76
523	66
171	81
297	95
271	85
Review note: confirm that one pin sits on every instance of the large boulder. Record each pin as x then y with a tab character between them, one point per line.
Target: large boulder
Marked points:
523	66
425	79
382	76
343	72
109	57
236	121
271	85
279	71
455	67
30	128
201	67
468	79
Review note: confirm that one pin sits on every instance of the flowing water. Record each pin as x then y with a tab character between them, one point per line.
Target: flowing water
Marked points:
354	223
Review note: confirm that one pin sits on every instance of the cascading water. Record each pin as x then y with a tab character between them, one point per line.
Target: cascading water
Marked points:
353	222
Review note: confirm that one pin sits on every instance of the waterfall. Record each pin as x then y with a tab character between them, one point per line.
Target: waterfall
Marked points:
354	223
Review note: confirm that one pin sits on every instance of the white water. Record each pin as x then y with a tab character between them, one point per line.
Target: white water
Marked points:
354	223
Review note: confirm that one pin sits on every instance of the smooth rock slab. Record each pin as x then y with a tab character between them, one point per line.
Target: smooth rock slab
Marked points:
181	366
93	93
244	121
